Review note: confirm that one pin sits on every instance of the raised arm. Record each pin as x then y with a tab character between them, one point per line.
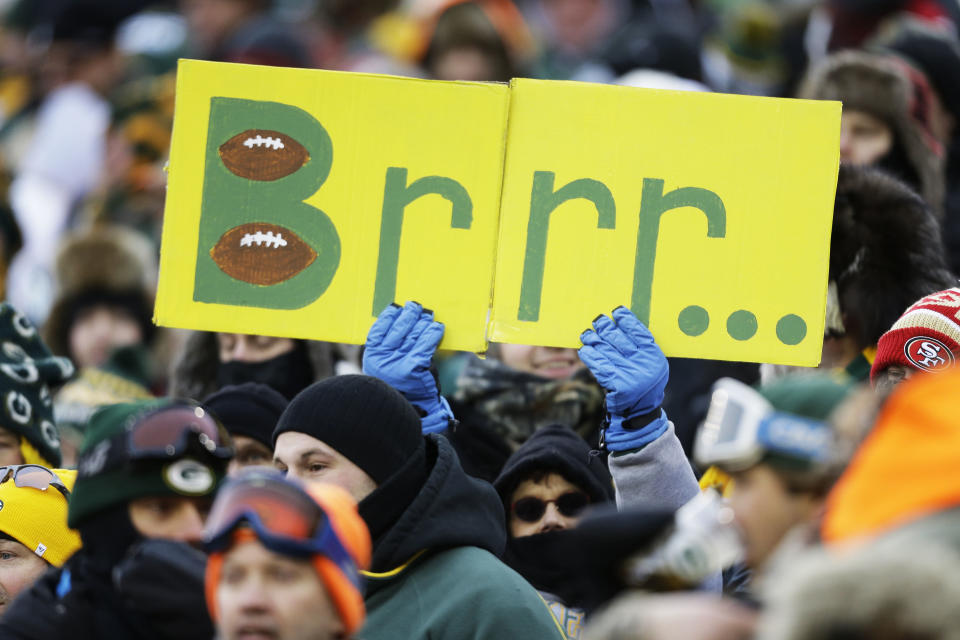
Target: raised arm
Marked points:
646	461
399	350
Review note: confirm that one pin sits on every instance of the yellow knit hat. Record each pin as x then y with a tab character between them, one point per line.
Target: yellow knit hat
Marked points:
37	519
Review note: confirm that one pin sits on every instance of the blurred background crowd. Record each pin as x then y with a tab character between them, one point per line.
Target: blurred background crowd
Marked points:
86	106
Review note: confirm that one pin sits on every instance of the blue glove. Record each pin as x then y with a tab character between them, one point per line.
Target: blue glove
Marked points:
399	348
626	361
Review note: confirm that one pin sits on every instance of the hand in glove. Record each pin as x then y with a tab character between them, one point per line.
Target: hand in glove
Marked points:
626	361
399	349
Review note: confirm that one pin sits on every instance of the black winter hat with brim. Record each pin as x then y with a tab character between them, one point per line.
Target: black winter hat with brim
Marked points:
250	409
557	448
360	417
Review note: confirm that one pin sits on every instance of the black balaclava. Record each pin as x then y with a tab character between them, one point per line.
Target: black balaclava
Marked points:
108	536
544	559
289	373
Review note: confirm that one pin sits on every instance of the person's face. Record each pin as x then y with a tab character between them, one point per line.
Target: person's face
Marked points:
301	456
766	511
548	489
19	568
262	594
211	21
170	518
464	63
9	448
864	138
547	362
97	331
239	347
578	24
249	453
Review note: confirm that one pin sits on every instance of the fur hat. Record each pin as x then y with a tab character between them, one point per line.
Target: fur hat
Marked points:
103	263
880	591
897	93
885	253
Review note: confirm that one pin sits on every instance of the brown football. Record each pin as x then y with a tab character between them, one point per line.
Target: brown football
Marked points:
262	253
261	154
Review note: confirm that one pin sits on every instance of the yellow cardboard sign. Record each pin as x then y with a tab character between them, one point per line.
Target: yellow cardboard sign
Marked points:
300	203
708	215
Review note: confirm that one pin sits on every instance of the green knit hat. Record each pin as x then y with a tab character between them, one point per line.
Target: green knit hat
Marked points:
812	396
27	371
109	475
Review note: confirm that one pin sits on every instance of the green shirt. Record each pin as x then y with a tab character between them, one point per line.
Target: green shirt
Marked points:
464	593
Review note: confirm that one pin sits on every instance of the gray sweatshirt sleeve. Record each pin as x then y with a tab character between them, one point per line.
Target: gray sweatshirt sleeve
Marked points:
657	476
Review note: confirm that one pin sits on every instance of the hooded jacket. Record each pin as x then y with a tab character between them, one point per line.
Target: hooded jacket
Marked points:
435	572
559	449
542	558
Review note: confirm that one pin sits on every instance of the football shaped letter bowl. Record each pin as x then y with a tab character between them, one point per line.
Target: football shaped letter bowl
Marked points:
262	253
259	154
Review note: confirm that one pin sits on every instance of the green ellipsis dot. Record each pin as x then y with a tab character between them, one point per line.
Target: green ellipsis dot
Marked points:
742	325
693	320
791	329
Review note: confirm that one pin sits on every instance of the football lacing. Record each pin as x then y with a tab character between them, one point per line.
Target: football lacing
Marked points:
260	141
271	239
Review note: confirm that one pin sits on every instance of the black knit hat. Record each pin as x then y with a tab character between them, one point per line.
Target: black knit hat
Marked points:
557	448
250	409
361	417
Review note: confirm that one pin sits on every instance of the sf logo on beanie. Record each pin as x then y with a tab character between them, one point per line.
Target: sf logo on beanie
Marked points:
928	354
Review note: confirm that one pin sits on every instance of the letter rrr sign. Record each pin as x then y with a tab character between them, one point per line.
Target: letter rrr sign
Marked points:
301	203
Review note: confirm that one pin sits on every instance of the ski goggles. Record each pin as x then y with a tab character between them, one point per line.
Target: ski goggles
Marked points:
281	514
33	476
171	430
742	428
531	509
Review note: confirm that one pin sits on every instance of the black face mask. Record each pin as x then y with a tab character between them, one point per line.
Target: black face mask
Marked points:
289	373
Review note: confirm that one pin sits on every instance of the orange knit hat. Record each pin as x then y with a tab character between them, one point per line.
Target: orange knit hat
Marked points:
906	468
341	512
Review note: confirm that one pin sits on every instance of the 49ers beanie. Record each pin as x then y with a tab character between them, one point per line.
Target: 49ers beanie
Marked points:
361	417
926	337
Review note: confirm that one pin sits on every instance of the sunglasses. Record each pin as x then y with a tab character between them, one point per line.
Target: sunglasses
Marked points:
281	514
531	509
169	432
33	476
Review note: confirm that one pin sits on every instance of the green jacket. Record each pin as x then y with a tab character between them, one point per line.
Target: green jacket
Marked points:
463	593
435	573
